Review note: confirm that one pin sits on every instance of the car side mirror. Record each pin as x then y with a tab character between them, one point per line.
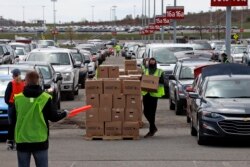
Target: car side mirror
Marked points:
171	77
245	52
46	86
7	53
58	77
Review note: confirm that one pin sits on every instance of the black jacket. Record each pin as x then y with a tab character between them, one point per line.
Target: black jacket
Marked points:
8	92
49	113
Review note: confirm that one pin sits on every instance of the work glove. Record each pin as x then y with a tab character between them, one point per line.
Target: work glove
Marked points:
67	112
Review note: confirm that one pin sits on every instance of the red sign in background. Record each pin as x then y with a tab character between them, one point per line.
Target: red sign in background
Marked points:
175	12
162	20
229	2
154	27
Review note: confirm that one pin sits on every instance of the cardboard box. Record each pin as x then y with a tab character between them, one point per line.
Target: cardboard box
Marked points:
92	115
119	101
112	86
131	115
118	114
113	128
94	87
122	72
93	99
149	83
103	71
130	65
105	114
106	101
134	72
130	129
94	129
132	87
114	72
134	101
135	76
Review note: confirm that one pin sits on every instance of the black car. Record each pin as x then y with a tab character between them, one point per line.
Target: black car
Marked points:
83	69
221	107
51	78
182	77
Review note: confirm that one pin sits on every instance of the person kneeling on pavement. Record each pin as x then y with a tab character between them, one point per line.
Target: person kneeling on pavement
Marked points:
31	112
150	99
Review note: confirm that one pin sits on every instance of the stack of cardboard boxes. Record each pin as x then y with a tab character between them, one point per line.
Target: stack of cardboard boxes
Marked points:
116	105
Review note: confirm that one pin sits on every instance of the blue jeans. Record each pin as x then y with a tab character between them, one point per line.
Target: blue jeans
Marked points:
40	157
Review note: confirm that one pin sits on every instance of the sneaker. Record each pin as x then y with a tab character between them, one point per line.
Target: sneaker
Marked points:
150	133
11	145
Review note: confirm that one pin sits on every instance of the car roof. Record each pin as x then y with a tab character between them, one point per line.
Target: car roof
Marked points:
169	45
228	77
195	62
34	63
50	50
5	77
225	69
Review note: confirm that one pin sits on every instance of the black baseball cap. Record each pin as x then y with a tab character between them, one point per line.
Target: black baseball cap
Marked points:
16	72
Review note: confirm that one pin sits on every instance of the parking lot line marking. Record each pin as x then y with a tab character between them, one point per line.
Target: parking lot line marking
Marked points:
73	164
195	164
226	164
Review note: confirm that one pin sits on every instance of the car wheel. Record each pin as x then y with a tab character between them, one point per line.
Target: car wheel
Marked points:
171	104
200	139
178	107
192	129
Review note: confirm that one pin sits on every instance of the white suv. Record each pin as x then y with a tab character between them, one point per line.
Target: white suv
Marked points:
62	62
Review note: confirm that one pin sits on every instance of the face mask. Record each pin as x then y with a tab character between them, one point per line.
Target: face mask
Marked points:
152	65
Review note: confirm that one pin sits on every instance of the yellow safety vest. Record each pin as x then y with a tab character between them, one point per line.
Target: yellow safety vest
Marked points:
160	91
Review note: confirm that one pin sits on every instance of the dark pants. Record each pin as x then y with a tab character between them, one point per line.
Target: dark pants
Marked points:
150	106
11	125
40	157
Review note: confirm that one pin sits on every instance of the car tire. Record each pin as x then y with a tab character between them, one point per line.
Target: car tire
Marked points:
178	107
171	105
200	139
193	131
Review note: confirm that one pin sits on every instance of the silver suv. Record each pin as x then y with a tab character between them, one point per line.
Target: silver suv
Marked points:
62	61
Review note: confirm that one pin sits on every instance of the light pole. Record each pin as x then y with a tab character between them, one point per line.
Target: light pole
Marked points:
93	7
134	10
23	14
174	25
154	19
114	8
162	28
54	11
43	15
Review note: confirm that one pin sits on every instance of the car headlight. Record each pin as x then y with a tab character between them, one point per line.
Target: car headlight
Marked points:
67	76
210	114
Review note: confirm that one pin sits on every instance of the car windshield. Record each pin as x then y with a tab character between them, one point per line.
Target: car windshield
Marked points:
164	56
140	53
3	86
46	43
187	72
53	58
46	72
77	56
233	88
203	46
7	71
179	49
239	50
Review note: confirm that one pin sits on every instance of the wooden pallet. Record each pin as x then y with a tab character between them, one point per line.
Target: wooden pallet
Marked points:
111	137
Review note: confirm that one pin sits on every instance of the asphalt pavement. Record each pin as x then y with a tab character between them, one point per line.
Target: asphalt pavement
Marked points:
173	146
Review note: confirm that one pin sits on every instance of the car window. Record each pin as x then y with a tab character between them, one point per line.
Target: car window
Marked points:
3	86
179	49
235	88
19	52
187	72
46	72
238	50
77	56
164	56
46	43
53	58
1	50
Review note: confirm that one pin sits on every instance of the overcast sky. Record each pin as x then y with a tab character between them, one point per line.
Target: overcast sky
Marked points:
77	10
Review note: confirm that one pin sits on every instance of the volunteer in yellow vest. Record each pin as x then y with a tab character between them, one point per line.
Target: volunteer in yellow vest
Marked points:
117	49
31	112
150	99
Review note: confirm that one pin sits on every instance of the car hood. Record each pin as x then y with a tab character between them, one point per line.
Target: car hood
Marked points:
62	68
3	105
238	105
166	67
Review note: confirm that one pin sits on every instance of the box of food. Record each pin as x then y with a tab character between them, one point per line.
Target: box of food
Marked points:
131	87
94	129
119	101
103	71
94	86
118	114
131	115
130	129
112	86
93	99
113	128
114	72
105	114
106	101
130	65
149	83
92	115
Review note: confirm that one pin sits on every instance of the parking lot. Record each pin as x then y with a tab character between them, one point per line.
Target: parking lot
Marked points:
172	146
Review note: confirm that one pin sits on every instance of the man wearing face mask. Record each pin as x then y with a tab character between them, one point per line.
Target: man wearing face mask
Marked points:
150	99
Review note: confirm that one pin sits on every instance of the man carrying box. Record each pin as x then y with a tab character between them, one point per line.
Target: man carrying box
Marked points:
150	98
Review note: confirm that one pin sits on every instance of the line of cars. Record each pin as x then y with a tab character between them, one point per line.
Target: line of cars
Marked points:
62	71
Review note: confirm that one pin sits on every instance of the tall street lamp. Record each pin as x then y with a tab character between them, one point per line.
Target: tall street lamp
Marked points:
23	14
114	8
93	7
43	15
54	11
